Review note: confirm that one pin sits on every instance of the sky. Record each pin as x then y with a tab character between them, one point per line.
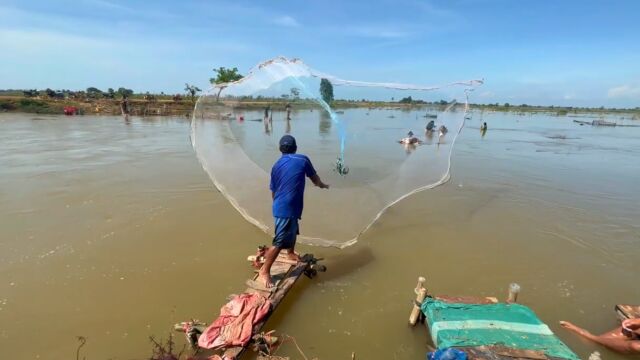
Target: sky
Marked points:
542	52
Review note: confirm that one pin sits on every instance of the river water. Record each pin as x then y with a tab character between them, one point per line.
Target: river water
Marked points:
111	230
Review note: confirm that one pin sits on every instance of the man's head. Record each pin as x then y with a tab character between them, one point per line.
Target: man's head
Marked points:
288	145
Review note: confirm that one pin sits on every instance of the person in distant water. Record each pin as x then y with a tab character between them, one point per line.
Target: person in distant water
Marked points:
483	129
124	105
431	125
442	132
266	112
287	190
288	109
410	139
624	339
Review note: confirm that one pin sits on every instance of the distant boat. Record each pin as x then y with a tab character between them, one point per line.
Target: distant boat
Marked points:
596	123
431	116
340	112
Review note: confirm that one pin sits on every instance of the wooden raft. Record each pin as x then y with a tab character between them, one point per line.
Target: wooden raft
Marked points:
494	352
628	311
284	274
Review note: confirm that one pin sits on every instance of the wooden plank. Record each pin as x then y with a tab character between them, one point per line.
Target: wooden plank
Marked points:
286	280
628	311
466	299
501	353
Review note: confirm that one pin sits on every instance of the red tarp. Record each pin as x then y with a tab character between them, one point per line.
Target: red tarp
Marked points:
234	326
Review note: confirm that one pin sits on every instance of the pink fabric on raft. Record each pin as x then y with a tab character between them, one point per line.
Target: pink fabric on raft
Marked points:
234	326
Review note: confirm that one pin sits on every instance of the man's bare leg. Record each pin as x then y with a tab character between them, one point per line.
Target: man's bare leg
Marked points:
265	271
292	254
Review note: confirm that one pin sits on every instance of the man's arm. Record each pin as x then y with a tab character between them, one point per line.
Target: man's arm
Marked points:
318	182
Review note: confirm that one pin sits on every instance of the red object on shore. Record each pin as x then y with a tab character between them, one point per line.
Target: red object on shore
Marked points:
70	110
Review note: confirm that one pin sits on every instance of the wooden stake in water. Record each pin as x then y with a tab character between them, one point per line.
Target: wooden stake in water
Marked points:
514	290
421	294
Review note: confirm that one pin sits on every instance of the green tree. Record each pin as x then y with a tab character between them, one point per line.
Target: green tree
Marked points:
295	93
50	93
30	93
406	100
224	76
123	92
94	93
192	90
326	90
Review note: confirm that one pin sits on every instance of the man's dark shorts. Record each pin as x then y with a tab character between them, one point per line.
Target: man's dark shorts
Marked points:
286	231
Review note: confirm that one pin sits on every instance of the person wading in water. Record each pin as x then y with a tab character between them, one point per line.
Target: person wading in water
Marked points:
287	190
623	339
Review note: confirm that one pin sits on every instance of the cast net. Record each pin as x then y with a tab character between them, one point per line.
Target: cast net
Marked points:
349	129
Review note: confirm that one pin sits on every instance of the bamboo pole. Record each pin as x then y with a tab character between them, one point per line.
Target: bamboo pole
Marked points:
421	294
514	290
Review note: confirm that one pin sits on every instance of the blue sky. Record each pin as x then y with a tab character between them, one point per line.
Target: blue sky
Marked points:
582	53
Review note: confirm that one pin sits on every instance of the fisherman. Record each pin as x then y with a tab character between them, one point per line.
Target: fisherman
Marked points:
483	127
623	339
288	109
409	139
287	190
124	105
266	112
431	125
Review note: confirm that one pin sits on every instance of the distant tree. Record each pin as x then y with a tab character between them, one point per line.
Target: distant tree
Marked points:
223	76
326	90
30	93
110	94
506	105
94	93
295	93
123	92
406	100
392	99
192	90
50	93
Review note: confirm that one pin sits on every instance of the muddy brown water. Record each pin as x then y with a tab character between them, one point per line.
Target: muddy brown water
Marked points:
111	230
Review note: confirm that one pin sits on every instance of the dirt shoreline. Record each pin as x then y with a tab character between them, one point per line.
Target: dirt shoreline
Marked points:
184	107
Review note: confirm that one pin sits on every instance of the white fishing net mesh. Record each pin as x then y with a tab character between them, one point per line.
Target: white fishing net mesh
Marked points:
237	144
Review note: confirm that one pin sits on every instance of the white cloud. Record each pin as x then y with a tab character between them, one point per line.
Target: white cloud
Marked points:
624	91
286	20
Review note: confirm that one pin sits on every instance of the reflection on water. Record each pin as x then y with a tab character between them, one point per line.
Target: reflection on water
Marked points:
112	231
324	124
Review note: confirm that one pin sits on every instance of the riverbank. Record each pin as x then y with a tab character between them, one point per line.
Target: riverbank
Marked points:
138	107
184	107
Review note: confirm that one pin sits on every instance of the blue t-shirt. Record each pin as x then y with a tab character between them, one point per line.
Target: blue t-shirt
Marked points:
287	183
